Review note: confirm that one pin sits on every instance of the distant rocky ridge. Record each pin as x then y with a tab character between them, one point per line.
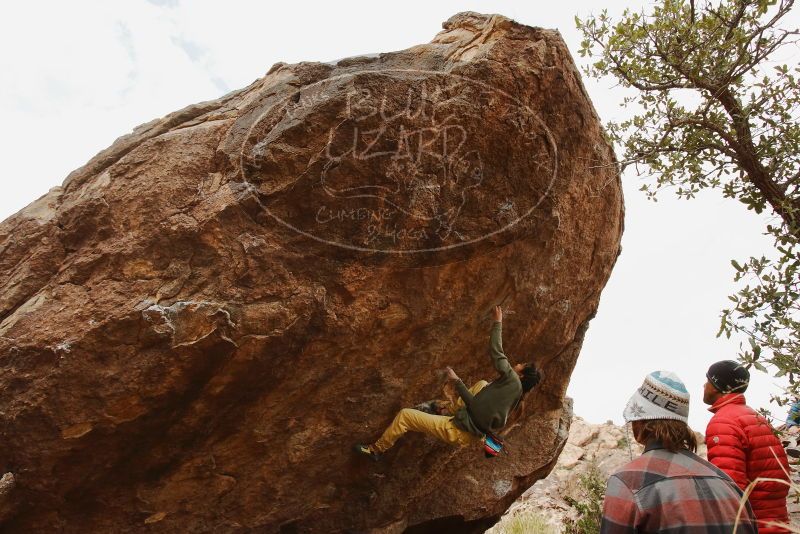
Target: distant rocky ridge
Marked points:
606	446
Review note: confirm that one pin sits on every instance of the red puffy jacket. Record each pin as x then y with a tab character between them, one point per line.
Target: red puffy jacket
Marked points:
742	443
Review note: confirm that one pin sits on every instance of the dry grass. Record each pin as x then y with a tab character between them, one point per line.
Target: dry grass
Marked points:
525	523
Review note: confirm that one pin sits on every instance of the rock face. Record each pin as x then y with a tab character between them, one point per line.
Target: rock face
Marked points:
201	321
604	448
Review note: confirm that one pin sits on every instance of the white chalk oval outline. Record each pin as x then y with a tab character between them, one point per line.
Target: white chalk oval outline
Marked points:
538	120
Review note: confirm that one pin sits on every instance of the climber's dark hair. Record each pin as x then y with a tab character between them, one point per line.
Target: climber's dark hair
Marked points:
530	377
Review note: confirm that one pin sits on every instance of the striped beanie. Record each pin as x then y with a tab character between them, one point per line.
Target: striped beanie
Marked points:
661	396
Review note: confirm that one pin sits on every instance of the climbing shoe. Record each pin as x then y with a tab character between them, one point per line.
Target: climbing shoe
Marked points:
366	451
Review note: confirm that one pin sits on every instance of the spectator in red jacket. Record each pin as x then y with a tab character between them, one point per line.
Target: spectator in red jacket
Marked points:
669	488
743	444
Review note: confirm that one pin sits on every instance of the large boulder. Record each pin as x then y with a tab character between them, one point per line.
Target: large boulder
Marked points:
197	326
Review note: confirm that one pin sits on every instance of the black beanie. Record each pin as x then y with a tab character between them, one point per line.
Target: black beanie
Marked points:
729	376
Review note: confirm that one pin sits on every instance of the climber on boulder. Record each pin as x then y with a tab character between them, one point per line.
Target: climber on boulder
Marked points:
480	410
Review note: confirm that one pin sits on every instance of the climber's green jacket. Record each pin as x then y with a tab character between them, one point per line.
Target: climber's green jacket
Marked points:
491	406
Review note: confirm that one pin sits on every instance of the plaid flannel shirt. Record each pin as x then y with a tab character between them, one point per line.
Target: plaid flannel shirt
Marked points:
675	493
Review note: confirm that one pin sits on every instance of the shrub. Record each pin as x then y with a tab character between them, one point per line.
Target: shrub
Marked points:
589	504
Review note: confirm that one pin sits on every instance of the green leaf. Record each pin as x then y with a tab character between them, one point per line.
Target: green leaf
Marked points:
697	92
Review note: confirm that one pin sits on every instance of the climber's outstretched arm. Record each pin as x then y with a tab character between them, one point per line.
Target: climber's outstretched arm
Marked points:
463	392
496	344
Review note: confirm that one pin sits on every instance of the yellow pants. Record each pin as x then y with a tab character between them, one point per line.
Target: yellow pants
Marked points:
440	427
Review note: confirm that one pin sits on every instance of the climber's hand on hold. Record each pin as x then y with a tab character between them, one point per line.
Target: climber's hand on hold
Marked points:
498	314
452	374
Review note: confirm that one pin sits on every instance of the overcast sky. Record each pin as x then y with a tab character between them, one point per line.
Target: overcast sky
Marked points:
77	75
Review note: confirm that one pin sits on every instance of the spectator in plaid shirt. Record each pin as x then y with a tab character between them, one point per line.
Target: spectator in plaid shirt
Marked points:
669	488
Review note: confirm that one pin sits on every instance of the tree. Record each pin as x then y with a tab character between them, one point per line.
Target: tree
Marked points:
717	112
